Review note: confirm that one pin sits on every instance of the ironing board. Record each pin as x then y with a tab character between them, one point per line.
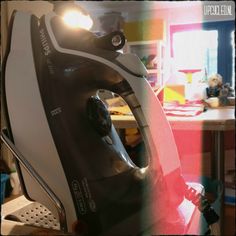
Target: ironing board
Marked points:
13	207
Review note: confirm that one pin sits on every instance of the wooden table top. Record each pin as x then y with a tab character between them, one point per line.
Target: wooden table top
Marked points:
220	119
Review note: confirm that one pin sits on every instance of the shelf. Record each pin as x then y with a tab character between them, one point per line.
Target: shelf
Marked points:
140	43
146	30
151	53
157	89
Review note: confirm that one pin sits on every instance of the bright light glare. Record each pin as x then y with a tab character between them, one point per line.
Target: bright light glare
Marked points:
195	49
76	19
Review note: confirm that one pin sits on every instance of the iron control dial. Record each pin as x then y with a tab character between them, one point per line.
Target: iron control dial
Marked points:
99	115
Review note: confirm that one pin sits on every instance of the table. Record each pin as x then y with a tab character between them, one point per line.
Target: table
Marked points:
216	120
219	119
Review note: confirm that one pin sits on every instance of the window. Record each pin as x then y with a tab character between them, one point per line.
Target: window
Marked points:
233	58
196	49
207	46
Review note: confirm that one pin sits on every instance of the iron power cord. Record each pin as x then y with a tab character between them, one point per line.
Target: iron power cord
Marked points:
203	205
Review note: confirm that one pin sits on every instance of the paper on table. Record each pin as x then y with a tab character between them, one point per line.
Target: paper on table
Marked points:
124	110
117	106
183	110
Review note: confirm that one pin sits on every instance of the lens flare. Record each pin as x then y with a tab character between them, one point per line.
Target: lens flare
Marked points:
76	19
